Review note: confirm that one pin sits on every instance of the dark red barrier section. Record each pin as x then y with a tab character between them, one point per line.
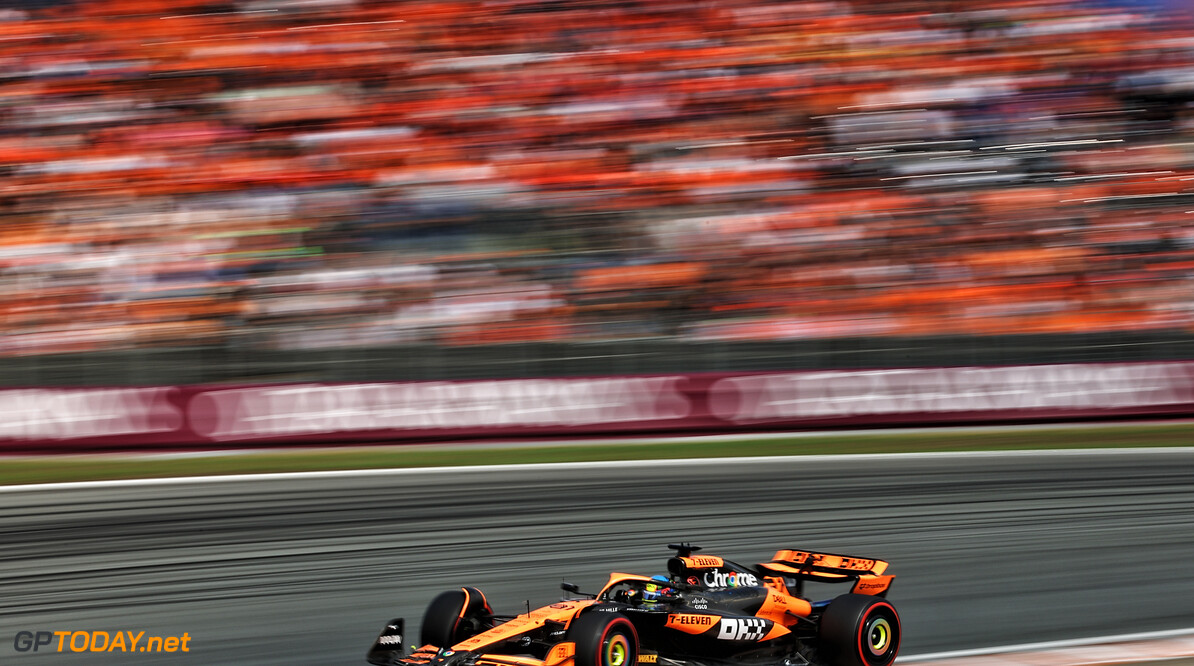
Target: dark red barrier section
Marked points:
201	416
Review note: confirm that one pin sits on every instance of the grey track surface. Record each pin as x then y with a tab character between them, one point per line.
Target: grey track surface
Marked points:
988	550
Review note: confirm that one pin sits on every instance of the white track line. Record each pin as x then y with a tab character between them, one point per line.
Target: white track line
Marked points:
566	466
1121	649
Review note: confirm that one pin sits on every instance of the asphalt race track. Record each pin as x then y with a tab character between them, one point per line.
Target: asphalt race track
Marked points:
988	550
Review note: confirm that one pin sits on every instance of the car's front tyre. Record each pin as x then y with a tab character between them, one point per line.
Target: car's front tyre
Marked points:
604	639
454	616
860	630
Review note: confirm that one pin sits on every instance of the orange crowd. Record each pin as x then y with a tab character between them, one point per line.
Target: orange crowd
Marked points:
317	173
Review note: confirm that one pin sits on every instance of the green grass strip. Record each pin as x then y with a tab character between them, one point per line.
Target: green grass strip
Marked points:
47	469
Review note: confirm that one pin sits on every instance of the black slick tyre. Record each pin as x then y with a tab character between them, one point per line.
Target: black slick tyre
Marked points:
453	616
604	639
860	630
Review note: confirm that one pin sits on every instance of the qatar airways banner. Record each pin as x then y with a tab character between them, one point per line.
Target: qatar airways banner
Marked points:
199	416
934	394
429	408
92	414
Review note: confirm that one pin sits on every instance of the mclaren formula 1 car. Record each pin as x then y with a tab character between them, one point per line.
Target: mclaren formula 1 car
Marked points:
707	611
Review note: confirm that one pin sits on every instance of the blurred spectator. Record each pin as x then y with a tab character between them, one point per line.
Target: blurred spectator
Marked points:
311	173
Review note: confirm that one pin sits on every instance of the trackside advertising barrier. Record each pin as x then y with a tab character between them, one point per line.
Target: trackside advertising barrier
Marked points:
208	416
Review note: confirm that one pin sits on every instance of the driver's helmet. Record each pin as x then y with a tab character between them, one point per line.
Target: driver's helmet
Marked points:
656	589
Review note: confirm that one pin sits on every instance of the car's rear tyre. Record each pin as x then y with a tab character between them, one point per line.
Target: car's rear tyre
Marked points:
860	630
604	639
453	616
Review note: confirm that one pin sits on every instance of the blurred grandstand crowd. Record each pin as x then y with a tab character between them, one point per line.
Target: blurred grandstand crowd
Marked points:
314	173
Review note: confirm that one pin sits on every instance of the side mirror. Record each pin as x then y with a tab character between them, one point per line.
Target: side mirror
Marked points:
570	587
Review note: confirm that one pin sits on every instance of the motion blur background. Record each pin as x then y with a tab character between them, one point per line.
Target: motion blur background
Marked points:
233	192
203	190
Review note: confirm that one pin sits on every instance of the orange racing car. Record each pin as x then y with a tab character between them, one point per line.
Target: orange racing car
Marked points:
707	611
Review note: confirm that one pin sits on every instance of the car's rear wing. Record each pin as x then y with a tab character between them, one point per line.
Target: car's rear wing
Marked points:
802	565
